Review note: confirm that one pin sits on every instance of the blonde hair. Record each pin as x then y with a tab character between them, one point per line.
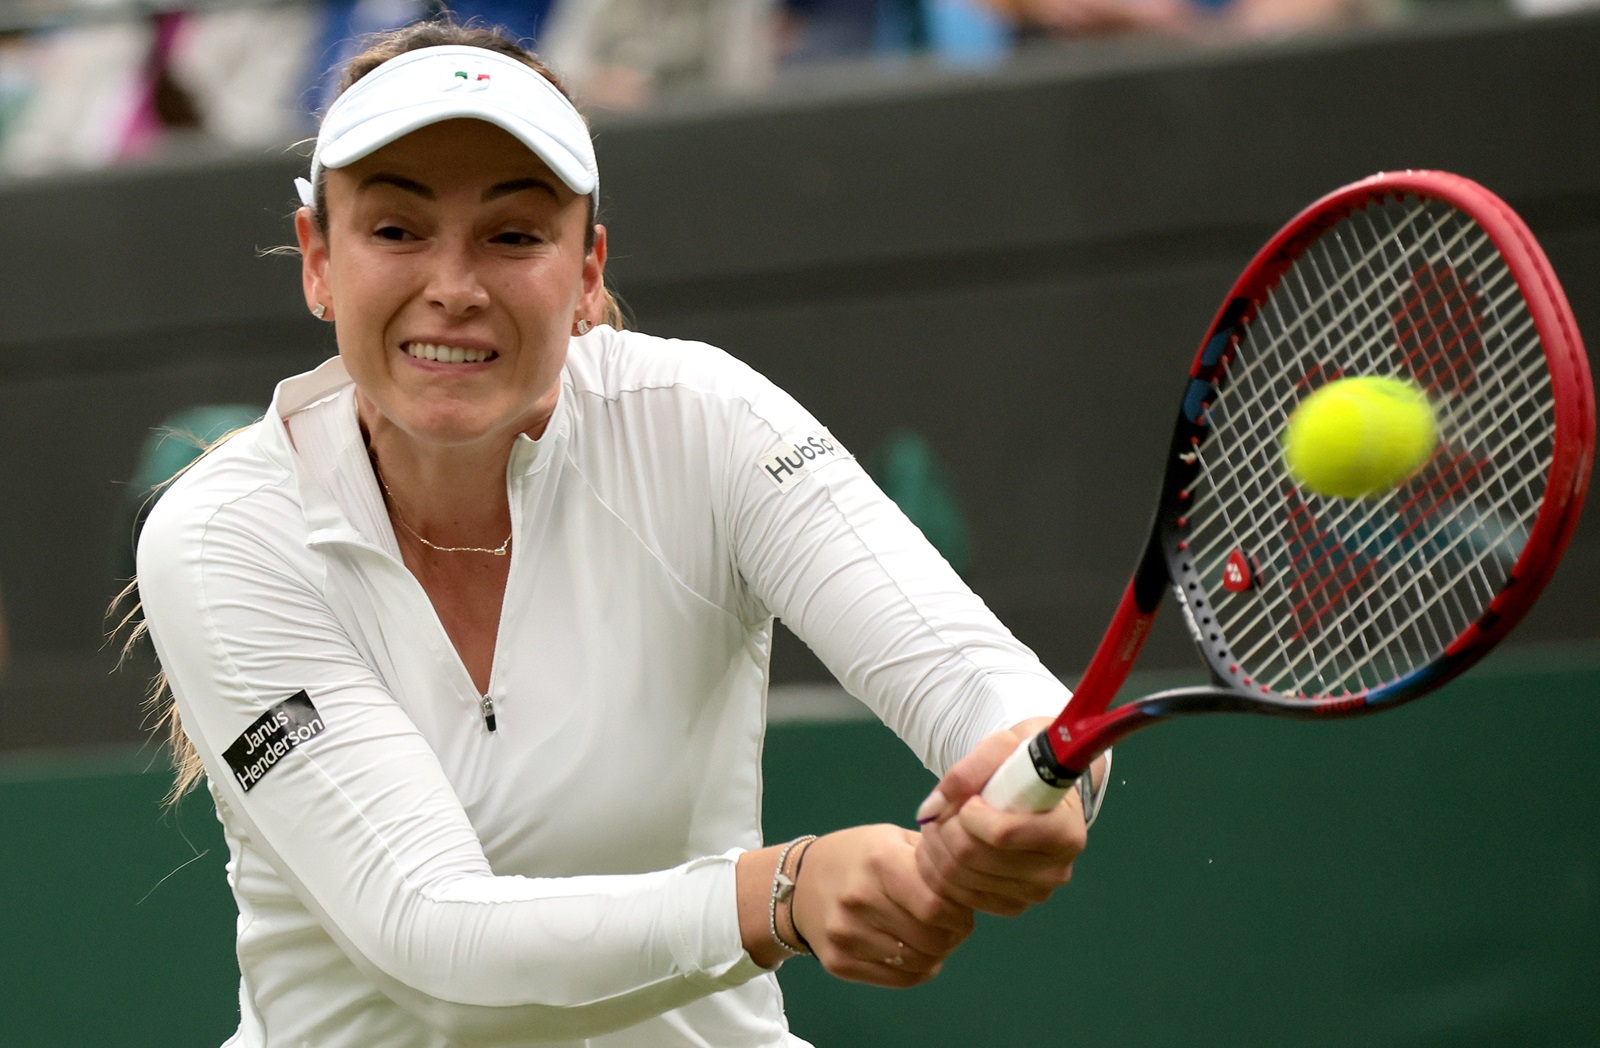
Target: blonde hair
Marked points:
187	768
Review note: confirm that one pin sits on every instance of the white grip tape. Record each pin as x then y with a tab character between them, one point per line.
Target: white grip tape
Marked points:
1016	786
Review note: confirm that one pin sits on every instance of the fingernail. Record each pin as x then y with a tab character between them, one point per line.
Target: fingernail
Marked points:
931	808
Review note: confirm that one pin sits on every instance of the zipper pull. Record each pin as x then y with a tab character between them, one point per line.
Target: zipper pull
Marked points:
488	712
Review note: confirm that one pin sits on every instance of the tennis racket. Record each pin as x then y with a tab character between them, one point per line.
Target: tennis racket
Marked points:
1310	606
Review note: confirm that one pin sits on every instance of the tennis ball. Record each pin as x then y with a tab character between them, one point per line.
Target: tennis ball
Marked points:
1359	437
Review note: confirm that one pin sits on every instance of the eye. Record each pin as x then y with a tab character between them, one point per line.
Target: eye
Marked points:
516	239
392	233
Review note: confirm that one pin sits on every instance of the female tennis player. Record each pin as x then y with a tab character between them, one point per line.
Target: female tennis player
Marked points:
469	636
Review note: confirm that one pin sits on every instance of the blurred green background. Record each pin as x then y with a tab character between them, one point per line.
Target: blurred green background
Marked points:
1430	876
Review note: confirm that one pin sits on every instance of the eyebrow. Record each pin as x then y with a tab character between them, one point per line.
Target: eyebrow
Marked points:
494	192
517	185
410	185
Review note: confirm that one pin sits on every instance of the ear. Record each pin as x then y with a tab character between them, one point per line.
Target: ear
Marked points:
313	262
592	296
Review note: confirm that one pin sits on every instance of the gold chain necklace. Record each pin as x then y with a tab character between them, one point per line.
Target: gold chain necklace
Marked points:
498	551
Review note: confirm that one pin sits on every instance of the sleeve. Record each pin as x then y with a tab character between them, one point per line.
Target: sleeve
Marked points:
362	823
822	547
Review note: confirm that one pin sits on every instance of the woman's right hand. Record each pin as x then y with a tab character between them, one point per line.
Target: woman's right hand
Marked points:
867	913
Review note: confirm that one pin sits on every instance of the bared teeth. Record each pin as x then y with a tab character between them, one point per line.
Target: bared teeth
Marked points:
447	354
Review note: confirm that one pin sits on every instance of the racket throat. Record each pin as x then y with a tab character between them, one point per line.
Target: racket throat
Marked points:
1045	763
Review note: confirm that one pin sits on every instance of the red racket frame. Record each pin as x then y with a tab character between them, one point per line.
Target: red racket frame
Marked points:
1084	728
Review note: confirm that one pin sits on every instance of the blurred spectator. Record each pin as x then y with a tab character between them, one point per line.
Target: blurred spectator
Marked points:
1256	18
820	30
522	19
342	25
236	89
961	31
985	31
84	97
1535	8
113	90
1233	19
250	74
243	75
17	79
621	54
1072	18
967	32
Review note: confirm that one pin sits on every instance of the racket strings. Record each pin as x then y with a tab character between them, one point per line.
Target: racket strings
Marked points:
1439	306
1441	352
1407	339
1309	556
1348	594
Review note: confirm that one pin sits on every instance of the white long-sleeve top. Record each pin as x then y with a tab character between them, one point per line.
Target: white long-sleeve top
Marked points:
408	877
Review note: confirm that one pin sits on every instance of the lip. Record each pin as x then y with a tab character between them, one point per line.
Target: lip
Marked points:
444	367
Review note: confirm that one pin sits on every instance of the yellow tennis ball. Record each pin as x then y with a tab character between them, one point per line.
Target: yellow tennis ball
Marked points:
1359	437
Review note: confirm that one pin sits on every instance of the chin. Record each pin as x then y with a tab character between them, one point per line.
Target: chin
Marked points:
452	427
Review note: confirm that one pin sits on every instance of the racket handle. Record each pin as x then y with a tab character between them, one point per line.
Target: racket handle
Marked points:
1018	786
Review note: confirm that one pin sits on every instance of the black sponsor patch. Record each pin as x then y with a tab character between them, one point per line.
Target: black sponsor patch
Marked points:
271	738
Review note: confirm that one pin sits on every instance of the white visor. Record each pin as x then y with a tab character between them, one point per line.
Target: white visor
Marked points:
431	84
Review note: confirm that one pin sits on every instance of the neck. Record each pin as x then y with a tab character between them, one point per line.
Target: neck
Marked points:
444	496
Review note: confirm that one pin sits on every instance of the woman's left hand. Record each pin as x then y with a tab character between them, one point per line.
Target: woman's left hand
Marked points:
999	862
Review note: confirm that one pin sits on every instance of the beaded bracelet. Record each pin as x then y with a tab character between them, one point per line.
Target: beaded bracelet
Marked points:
799	863
783	891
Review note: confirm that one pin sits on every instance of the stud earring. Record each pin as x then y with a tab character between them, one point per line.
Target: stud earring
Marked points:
583	327
319	310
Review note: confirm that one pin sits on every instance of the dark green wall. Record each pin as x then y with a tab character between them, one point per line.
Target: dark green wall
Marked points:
1428	877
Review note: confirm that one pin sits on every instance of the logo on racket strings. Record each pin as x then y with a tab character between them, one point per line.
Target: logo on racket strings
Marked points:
1238	575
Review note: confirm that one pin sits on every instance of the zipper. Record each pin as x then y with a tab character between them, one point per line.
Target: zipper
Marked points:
488	712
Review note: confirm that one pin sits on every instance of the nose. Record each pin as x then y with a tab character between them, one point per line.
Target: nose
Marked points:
453	282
